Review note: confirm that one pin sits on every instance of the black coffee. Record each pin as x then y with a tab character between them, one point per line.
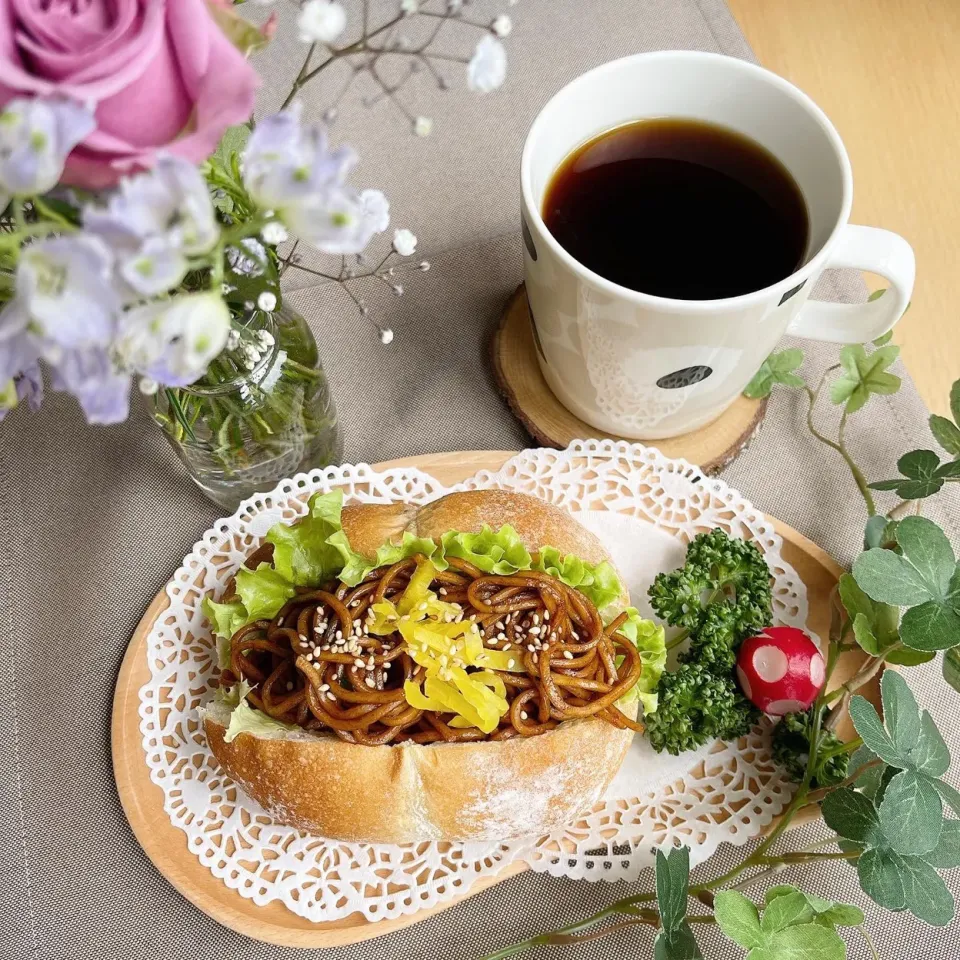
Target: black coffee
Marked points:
678	208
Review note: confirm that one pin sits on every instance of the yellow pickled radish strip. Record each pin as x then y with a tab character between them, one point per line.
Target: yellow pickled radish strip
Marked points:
418	588
506	660
458	723
385	618
491	680
474	690
415	697
454	702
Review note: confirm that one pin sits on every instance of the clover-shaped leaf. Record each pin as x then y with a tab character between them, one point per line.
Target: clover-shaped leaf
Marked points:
947	432
825	912
874	624
896	819
894	880
788	930
777	368
924	576
923	475
675	941
864	374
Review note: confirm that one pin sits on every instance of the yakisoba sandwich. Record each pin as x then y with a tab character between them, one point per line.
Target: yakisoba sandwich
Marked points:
465	670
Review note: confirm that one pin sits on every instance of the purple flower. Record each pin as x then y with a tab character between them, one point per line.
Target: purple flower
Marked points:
65	312
35	138
153	223
26	386
102	390
290	169
64	287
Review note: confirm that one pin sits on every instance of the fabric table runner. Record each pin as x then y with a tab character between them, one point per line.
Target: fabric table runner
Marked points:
94	520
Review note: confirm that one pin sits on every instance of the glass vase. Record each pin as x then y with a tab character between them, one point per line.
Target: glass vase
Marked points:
261	413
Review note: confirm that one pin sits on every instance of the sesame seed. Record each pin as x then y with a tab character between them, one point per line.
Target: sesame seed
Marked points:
443	591
289	684
502	636
302	637
324	687
318	629
370	682
280	622
507	646
330	696
523	714
339	635
406	616
531	647
358	663
511	663
326	646
536	619
534	631
567	655
546	614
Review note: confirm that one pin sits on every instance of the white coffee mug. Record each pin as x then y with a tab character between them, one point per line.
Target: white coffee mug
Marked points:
651	367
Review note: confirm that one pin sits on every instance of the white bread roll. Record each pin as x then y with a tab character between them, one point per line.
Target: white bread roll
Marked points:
492	790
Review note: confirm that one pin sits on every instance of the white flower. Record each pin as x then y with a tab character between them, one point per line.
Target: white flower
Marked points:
487	68
423	126
502	25
376	210
321	21
409	7
267	301
404	242
172	341
386	335
274	233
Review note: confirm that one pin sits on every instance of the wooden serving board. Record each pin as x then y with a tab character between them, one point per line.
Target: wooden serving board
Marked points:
166	845
551	424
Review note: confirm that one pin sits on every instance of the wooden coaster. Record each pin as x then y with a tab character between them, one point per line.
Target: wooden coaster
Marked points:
551	424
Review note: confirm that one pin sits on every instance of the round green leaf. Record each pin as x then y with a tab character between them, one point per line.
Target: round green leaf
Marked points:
807	941
925	893
930	754
852	815
884	575
908	657
900	711
868	725
931	626
738	918
880	872
946	854
946	433
786	911
911	814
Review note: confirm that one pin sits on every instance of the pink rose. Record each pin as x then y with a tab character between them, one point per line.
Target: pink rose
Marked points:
162	73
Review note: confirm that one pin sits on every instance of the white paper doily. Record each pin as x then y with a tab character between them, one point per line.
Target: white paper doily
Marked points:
645	508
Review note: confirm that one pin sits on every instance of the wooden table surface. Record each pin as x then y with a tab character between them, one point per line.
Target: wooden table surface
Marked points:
887	72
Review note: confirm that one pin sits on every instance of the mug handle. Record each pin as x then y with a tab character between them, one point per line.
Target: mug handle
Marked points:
862	248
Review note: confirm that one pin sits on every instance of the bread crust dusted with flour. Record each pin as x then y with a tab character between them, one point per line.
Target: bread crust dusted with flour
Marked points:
485	790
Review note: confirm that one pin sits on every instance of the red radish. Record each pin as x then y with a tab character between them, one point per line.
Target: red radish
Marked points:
780	670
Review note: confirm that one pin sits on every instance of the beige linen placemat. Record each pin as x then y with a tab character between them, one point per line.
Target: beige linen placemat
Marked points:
93	520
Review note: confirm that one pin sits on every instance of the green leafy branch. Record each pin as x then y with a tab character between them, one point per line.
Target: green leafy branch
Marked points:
883	792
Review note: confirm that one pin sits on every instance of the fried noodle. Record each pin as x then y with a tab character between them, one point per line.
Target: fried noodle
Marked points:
315	665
